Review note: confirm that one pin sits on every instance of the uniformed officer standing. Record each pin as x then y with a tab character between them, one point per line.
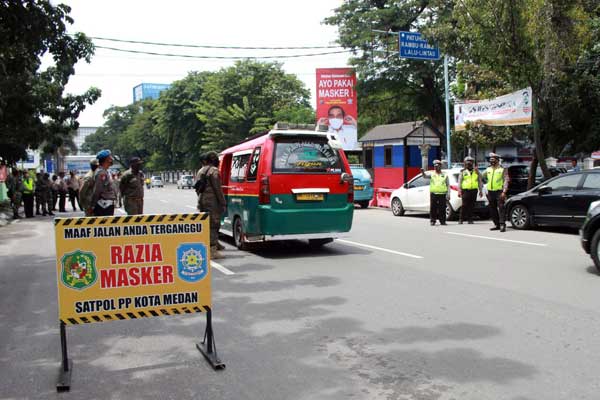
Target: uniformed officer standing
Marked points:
131	187
438	193
38	194
103	195
497	185
212	199
469	184
42	187
87	188
28	191
14	185
47	193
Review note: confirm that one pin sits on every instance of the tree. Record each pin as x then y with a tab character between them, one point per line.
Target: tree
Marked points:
240	100
390	88
532	43
33	107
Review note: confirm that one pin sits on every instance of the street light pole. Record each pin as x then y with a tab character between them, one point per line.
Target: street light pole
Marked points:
447	111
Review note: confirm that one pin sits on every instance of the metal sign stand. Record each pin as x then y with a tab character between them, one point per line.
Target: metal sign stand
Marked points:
207	347
64	375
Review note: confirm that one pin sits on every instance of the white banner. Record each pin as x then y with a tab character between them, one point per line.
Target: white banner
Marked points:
510	109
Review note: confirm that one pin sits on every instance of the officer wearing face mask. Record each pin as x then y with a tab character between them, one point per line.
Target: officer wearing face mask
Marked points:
469	184
438	193
342	126
103	194
497	185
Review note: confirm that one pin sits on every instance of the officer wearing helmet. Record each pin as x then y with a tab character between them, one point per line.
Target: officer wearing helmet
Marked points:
497	186
438	193
469	184
103	194
211	199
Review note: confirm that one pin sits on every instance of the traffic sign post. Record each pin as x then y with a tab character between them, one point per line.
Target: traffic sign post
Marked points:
412	45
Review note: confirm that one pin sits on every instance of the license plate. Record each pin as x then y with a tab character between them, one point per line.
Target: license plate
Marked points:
358	187
310	197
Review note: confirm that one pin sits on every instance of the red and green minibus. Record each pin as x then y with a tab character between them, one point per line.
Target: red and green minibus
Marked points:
288	183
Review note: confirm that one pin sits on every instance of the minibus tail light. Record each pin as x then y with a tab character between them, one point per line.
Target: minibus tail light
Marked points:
264	195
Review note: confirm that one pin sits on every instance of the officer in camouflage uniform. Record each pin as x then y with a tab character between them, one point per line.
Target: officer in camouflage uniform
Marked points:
131	187
103	195
87	188
14	185
47	193
38	195
42	187
211	199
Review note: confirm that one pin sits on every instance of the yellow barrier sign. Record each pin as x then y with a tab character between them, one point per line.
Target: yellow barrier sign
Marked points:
126	267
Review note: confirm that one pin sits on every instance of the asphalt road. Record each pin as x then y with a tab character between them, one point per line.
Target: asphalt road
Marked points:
396	310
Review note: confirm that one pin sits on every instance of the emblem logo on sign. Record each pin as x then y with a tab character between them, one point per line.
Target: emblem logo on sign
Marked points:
79	270
192	262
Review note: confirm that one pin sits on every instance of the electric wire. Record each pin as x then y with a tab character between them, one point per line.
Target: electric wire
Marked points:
221	57
214	46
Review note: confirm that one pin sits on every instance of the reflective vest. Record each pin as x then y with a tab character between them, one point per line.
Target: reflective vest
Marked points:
470	180
437	185
495	178
28	184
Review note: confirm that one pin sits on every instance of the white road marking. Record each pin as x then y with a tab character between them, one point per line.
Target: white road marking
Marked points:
164	201
498	239
221	268
368	246
192	207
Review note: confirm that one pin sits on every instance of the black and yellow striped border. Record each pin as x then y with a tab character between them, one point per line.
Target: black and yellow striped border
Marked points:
158	312
131	219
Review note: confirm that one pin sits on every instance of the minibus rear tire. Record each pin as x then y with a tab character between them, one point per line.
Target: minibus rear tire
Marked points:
238	234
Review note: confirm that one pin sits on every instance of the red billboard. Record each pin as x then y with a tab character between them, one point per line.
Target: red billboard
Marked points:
336	104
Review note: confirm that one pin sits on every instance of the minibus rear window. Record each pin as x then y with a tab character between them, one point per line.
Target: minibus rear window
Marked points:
306	155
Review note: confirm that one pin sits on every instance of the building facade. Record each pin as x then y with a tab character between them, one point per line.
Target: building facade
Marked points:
148	90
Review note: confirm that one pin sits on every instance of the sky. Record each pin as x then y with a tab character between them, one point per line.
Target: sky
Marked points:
267	23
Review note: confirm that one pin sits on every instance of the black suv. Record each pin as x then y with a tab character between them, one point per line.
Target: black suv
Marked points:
590	233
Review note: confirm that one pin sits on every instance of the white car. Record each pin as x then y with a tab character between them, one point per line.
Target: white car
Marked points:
414	196
156	181
186	181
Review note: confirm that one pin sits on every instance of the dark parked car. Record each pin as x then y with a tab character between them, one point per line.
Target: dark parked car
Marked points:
560	201
518	177
590	233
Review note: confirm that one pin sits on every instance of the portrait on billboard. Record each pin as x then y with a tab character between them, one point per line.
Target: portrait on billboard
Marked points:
342	126
336	104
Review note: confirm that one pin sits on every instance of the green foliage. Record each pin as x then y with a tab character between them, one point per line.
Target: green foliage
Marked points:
34	111
205	110
392	89
248	98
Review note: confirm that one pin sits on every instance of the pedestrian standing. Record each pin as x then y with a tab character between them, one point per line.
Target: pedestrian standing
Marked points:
116	179
62	192
438	193
28	191
469	185
73	187
103	196
15	191
497	185
87	189
212	200
131	187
